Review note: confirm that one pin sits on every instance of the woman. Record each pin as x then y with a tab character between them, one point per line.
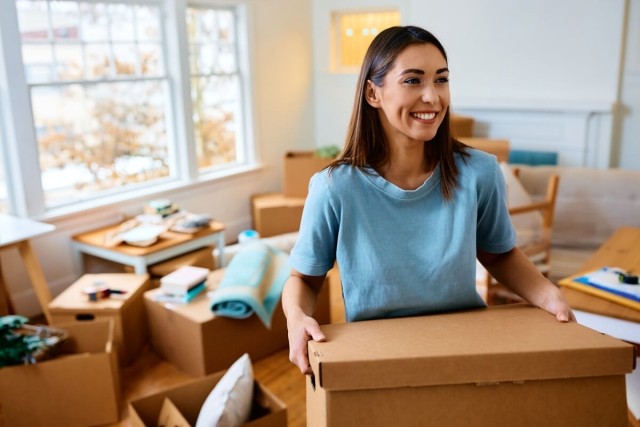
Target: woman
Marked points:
406	209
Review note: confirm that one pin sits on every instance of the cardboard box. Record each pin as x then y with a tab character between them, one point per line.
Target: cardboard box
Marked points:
502	366
497	147
202	257
274	214
267	411
78	387
299	167
199	343
461	126
127	310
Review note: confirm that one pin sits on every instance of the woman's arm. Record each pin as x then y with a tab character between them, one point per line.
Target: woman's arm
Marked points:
299	298
514	270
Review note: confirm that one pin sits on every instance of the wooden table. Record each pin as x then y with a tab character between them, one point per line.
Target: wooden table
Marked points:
620	250
17	233
170	244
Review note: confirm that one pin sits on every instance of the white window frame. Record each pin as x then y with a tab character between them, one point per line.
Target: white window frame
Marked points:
20	148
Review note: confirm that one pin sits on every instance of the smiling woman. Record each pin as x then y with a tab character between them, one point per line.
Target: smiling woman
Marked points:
431	205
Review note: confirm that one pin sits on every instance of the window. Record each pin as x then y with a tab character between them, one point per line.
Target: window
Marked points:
111	113
354	32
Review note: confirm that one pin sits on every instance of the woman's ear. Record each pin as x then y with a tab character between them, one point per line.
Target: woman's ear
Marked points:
371	95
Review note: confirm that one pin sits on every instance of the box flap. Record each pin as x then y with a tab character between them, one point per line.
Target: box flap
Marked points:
505	343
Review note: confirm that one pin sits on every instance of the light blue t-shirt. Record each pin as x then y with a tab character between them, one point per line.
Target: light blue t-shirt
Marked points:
400	252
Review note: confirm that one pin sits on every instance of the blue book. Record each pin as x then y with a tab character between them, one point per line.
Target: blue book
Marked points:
181	299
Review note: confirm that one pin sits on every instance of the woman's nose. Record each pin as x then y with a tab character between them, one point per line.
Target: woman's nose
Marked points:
429	94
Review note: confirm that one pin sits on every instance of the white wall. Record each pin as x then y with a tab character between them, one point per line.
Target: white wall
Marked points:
543	74
283	121
627	135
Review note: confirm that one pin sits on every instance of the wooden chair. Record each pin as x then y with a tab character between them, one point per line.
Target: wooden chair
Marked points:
538	250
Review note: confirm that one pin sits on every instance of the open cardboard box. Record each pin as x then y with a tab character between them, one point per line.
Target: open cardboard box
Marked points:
267	410
502	366
198	342
79	386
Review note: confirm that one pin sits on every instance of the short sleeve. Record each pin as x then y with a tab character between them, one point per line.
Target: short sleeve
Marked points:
495	233
314	253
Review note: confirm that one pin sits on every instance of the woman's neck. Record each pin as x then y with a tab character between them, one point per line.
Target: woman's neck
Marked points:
407	167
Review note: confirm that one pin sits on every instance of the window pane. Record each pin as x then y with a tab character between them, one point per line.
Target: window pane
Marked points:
94	22
64	19
121	17
99	62
125	59
98	138
70	62
214	114
150	60
33	20
215	86
147	24
38	62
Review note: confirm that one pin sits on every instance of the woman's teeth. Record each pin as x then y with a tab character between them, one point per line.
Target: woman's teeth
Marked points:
424	116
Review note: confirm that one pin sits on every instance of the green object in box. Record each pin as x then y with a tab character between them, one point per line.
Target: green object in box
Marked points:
327	152
22	344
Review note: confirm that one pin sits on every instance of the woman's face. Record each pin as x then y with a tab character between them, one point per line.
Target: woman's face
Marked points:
414	97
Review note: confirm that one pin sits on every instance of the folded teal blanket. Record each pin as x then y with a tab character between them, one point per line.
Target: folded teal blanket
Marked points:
252	283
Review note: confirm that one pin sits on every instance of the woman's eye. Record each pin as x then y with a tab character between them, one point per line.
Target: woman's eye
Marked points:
442	80
412	81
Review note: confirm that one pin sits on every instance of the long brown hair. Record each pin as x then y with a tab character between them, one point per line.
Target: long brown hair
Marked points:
365	143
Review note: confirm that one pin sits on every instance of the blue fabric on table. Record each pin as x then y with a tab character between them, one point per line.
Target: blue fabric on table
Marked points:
252	283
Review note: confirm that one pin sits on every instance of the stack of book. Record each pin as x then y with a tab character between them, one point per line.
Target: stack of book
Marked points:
182	285
611	283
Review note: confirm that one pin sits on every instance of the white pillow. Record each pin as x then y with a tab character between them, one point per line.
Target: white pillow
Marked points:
528	225
229	403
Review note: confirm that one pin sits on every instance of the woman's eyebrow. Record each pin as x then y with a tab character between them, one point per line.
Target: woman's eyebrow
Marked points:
421	72
411	71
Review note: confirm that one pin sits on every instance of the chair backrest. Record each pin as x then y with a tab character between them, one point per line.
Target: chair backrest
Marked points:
546	206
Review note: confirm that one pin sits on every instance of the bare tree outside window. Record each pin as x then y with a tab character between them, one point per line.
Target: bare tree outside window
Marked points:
98	93
215	85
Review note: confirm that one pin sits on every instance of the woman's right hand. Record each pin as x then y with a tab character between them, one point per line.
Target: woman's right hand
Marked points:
299	298
302	329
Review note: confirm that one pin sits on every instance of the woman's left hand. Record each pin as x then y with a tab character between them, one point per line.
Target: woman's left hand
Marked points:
557	305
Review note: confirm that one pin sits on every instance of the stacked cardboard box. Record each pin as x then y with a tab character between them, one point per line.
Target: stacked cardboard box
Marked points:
274	214
195	340
126	310
299	167
278	213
